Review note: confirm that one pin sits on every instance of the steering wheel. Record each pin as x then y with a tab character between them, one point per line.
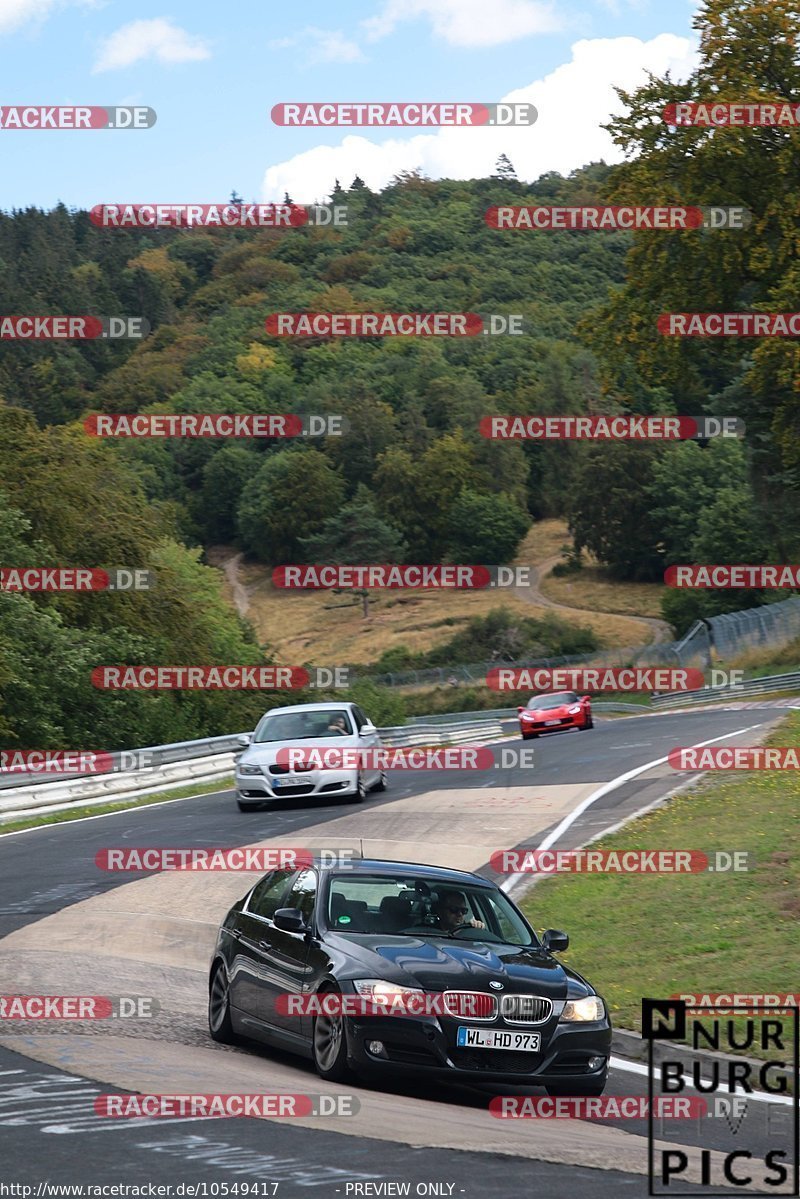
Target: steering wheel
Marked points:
458	927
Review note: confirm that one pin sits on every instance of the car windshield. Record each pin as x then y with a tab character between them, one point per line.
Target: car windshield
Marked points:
541	703
393	905
297	726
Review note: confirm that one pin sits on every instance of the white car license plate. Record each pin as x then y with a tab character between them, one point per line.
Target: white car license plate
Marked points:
288	778
497	1038
552	722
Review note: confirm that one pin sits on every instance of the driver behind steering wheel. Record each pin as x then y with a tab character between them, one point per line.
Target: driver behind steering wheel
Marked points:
451	911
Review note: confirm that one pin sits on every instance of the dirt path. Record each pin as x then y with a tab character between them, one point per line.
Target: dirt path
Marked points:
659	629
240	597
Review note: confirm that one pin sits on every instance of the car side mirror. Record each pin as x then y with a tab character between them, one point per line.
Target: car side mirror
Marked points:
366	729
244	740
586	699
554	941
520	709
290	920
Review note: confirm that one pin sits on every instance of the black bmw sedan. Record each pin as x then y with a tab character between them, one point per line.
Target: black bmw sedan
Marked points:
459	983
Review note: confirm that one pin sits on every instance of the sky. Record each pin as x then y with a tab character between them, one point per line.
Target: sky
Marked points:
212	71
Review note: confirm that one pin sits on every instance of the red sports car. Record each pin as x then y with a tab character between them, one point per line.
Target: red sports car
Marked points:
554	712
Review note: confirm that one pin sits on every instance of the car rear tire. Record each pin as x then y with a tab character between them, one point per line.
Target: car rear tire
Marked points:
589	724
329	1046
219	1008
592	1087
247	807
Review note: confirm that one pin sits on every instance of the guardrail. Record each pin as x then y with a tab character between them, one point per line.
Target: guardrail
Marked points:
164	768
763	686
172	766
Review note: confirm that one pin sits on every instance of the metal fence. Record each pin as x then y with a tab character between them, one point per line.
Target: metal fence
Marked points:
746	690
768	626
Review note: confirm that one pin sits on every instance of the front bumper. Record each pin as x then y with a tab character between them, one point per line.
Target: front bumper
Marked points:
427	1045
578	721
266	786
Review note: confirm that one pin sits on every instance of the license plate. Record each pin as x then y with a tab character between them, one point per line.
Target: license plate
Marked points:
552	722
286	778
497	1038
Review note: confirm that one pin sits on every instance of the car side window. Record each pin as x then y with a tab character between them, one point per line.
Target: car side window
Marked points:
303	894
267	894
361	719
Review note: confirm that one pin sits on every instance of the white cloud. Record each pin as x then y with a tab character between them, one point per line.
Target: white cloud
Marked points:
16	13
325	45
158	39
572	102
469	23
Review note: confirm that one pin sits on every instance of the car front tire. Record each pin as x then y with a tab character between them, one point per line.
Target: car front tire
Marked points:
247	807
382	783
529	736
329	1046
360	793
219	1008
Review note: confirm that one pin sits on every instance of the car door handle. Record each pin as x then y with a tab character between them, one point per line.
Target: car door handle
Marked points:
262	944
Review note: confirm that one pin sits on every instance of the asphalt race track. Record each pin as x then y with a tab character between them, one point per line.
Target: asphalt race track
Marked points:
149	935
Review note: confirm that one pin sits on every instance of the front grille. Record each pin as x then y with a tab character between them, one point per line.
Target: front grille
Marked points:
498	1063
292	789
470	1005
525	1009
277	768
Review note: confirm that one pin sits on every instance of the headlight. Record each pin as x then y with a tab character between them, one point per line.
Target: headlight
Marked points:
378	989
575	710
248	769
582	1010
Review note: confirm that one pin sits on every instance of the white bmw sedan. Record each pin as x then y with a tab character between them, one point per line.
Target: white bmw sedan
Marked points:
268	771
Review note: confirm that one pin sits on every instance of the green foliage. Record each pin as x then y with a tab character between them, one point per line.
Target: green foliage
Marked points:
293	492
485	528
355	534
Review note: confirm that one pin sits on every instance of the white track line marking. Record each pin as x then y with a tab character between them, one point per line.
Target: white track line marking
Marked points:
606	788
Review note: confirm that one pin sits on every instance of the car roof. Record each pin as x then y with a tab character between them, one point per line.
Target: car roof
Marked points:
326	707
413	870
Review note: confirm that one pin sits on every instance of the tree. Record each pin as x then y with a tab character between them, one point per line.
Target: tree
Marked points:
485	528
356	534
610	513
293	492
504	169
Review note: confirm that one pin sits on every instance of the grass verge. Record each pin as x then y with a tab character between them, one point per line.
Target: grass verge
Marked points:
143	801
661	935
